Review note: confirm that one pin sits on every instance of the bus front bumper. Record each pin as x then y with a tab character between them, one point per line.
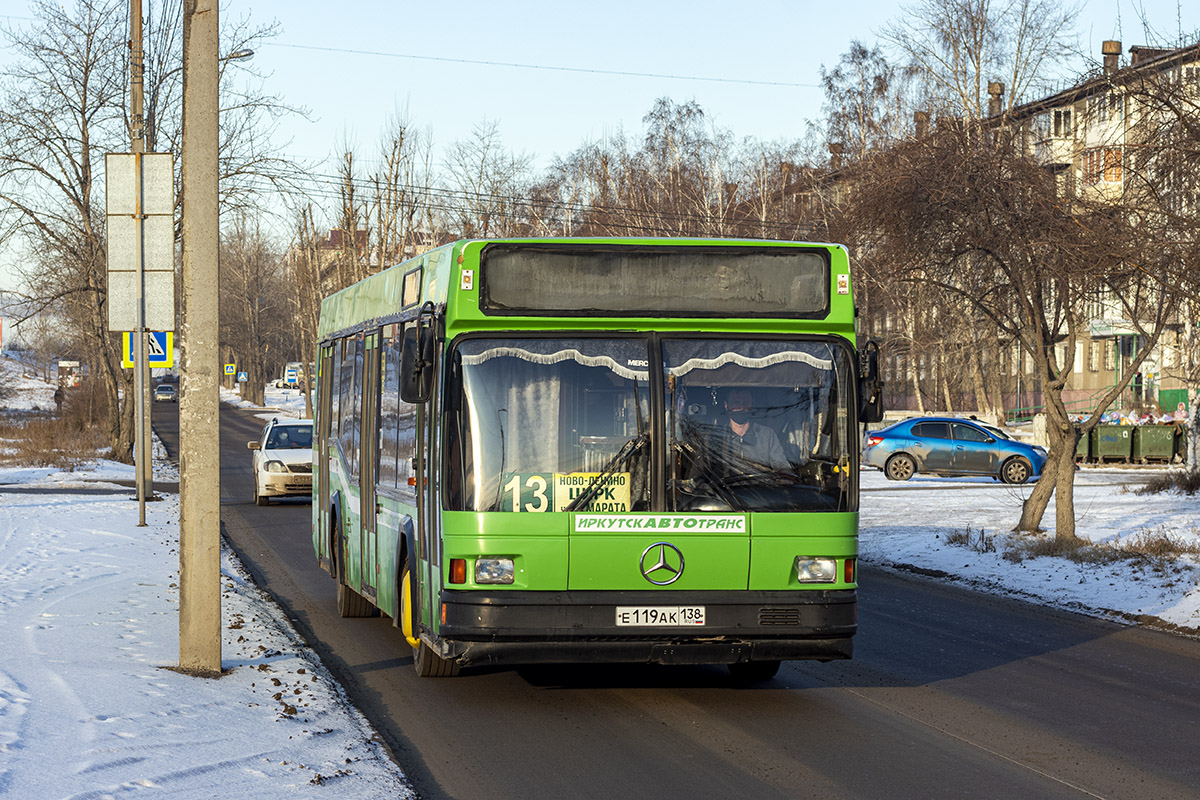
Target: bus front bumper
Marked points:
522	627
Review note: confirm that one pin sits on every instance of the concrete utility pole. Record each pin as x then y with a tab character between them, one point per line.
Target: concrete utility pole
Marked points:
199	403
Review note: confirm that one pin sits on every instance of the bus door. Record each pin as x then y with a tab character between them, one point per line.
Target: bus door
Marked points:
429	557
324	414
368	465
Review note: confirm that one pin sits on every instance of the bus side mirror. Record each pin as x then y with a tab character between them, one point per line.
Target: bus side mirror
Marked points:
870	387
416	364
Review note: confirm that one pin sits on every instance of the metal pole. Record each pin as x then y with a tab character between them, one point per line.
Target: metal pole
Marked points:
199	406
140	369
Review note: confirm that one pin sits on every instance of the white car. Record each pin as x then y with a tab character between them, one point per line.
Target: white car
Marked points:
282	461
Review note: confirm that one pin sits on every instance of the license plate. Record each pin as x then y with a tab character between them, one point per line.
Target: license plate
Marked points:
659	616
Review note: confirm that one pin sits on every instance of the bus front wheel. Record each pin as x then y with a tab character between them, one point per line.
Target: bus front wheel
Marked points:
426	662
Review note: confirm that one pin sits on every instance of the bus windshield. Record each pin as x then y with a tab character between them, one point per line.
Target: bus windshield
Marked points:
542	419
563	424
758	425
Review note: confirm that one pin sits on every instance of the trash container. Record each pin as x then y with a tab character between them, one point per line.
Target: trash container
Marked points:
1181	442
1081	444
1153	443
1112	443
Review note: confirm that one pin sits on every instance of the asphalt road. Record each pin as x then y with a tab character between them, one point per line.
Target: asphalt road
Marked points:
951	693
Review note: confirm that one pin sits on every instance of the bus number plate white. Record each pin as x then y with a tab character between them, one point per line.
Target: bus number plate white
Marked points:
659	616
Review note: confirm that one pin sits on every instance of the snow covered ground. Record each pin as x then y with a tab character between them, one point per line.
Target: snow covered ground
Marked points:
89	707
906	524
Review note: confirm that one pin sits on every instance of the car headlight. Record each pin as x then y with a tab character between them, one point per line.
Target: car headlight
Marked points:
494	570
816	570
1041	451
275	466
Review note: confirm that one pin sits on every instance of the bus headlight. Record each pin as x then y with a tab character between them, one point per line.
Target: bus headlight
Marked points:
816	570
275	466
494	570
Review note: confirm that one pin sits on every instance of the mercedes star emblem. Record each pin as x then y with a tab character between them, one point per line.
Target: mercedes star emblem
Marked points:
666	563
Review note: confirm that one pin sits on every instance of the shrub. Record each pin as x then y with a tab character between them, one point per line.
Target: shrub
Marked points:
978	541
1145	548
1184	481
44	440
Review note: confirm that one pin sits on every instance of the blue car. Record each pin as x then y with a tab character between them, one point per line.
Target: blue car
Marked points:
951	446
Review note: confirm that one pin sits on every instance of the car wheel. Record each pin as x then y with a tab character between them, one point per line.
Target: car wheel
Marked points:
1015	470
260	499
752	671
900	467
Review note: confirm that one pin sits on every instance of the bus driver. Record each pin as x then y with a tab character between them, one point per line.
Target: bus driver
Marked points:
750	442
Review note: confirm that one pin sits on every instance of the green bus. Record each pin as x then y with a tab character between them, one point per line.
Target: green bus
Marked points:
597	450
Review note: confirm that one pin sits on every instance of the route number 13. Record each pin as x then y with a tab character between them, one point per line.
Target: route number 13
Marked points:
533	498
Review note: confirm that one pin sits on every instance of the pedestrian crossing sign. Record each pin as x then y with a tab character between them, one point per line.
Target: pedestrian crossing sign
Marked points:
160	349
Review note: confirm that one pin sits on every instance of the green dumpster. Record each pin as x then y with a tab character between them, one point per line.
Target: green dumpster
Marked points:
1181	442
1112	442
1081	445
1153	443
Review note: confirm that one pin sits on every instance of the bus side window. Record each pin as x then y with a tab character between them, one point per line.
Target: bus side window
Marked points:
389	399
333	403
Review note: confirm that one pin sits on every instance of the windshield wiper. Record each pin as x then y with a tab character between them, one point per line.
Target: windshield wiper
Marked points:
721	487
627	451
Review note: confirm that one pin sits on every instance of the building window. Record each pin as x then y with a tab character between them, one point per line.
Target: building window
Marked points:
1094	355
1062	122
1102	164
1041	126
1110	356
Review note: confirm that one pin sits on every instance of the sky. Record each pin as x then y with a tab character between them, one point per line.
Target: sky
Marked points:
756	71
89	622
765	61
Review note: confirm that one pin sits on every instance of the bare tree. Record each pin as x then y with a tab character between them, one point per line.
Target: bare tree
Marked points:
400	191
255	316
867	104
63	105
970	215
61	111
1163	190
489	183
351	257
959	46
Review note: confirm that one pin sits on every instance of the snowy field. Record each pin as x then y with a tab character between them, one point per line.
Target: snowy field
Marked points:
906	524
89	707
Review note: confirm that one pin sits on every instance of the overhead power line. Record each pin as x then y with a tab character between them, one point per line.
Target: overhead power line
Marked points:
513	65
453	201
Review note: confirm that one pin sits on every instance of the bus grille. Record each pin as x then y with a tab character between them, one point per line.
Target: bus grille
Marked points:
779	616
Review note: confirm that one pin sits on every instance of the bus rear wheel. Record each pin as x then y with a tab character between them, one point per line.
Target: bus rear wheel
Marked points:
754	670
426	662
349	602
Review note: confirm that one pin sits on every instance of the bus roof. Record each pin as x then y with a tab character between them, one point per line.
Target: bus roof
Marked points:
449	277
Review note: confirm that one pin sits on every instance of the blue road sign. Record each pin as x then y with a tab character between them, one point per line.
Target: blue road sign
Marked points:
160	349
